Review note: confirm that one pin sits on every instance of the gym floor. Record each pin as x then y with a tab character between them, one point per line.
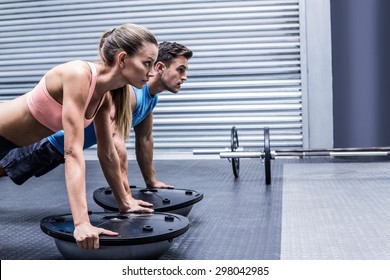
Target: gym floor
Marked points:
315	209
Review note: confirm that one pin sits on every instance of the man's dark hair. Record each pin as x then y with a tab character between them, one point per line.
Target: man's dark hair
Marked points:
167	51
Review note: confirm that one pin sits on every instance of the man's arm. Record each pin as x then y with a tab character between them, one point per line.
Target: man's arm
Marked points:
144	152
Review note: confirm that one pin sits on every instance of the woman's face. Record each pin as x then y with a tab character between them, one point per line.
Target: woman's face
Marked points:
139	67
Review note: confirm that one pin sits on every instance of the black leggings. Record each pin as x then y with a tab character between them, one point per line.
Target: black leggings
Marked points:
5	147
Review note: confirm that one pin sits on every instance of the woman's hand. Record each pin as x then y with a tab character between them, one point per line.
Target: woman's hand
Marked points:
158	185
136	205
87	236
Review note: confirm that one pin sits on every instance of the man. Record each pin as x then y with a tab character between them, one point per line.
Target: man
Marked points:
170	72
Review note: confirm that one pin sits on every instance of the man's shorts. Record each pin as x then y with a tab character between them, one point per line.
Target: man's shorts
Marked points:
5	147
22	163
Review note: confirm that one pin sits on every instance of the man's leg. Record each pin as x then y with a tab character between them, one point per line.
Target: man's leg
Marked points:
2	172
22	163
5	147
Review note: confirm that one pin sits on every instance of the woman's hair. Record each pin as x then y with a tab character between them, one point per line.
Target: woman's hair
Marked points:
123	116
168	51
129	38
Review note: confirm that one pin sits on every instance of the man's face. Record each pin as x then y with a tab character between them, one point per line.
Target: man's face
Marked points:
173	76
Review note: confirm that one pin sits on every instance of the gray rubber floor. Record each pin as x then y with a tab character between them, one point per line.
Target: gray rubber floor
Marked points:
336	211
238	218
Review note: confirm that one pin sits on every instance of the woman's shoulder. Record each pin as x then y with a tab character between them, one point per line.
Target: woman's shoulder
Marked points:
76	69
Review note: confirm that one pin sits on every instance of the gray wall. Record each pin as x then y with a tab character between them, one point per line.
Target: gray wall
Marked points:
246	68
256	63
317	74
360	48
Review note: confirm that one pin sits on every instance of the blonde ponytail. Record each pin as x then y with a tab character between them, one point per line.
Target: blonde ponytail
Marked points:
123	116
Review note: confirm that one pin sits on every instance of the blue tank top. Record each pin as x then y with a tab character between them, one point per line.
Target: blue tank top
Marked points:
144	105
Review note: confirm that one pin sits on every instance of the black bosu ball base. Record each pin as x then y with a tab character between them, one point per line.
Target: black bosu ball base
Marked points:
141	236
177	201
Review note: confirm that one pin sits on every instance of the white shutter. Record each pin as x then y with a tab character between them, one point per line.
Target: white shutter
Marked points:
246	68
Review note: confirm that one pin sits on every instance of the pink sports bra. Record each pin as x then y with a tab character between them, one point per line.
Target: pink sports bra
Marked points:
46	110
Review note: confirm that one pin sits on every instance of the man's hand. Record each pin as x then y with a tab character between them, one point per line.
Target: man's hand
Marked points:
87	236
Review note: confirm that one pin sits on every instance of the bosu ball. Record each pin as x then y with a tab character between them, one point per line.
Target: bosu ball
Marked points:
178	201
141	236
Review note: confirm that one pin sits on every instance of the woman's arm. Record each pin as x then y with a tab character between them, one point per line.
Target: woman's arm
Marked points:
110	163
75	91
120	146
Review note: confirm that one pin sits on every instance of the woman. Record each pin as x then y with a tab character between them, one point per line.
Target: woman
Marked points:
72	95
